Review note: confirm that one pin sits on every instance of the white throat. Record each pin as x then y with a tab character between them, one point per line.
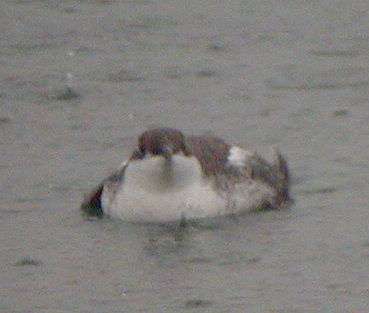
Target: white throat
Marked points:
159	174
160	190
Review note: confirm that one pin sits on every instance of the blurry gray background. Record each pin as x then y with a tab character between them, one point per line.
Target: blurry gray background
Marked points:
79	80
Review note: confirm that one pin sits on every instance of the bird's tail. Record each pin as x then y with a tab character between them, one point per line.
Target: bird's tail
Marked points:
282	172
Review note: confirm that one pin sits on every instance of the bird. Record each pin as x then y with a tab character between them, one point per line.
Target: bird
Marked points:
171	176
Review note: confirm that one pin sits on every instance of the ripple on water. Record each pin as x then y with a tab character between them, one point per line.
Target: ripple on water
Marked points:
62	93
344	53
28	261
126	75
198	303
4	120
319	190
293	78
341	113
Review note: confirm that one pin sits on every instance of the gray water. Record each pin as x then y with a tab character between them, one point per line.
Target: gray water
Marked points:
79	80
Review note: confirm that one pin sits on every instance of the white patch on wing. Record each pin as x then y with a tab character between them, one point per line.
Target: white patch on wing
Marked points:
237	156
123	164
105	200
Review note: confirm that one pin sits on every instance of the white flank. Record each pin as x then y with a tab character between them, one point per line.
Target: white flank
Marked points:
238	156
156	189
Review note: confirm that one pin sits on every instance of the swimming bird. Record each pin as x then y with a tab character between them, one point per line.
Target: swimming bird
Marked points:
170	177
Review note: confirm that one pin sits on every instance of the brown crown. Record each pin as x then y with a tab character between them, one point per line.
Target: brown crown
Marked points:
161	141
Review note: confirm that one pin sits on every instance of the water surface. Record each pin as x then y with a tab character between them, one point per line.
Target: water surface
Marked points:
80	79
